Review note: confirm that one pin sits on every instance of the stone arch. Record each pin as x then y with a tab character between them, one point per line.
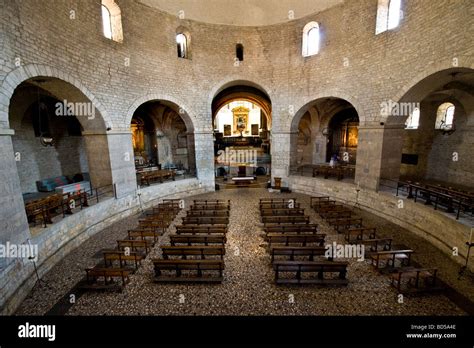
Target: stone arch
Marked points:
463	62
186	114
29	71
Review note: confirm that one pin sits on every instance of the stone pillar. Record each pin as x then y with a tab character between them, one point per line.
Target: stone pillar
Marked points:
320	148
379	153
284	147
192	151
97	148
14	225
122	162
204	149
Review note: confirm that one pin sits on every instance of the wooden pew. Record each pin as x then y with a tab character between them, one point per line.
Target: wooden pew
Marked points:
205	221
147	177
198	202
277	200
199	229
291	251
287	239
389	257
213	268
415	280
282	212
93	275
278	206
340	214
340	225
375	243
321	268
359	233
144	234
331	208
317	200
193	250
317	207
122	257
204	207
135	245
208	213
296	229
190	240
285	219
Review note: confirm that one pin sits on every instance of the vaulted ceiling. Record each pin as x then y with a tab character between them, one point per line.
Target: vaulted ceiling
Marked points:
241	12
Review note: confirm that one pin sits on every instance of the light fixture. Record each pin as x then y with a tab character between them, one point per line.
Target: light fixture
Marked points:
45	140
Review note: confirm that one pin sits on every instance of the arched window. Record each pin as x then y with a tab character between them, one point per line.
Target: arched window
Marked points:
112	21
106	22
239	52
311	39
413	120
389	14
445	116
182	44
394	9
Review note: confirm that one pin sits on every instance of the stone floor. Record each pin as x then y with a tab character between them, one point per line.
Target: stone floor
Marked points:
248	287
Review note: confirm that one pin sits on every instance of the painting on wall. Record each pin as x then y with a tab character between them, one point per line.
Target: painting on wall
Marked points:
227	130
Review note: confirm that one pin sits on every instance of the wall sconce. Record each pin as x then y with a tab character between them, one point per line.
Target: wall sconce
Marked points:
47	141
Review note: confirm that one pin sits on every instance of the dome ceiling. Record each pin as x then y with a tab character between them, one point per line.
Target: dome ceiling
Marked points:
241	12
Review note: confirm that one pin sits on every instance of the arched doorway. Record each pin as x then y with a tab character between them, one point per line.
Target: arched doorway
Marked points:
325	133
438	130
55	158
163	142
241	117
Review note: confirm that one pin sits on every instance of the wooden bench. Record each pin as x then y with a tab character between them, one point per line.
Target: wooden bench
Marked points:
340	225
292	251
190	240
93	275
287	239
282	212
415	280
321	268
285	220
208	213
277	200
262	206
147	177
192	250
331	208
318	200
358	233
296	229
213	269
340	214
118	255
199	229
375	243
211	202
321	206
204	207
144	234
135	245
205	221
388	258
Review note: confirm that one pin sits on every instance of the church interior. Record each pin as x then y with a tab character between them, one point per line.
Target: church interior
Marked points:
250	158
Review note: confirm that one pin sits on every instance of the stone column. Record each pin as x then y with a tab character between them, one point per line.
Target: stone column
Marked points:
14	225
320	148
122	162
97	149
284	147
379	154
204	149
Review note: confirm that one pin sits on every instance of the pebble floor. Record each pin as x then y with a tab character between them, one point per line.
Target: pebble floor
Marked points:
248	287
